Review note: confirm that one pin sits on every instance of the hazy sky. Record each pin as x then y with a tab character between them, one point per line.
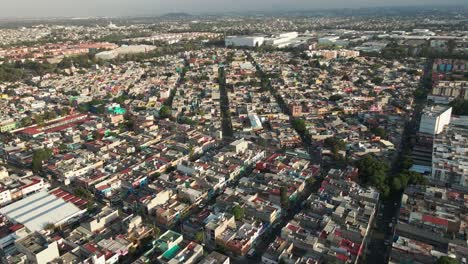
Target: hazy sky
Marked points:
66	8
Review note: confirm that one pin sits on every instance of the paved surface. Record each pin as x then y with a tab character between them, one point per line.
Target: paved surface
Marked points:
387	217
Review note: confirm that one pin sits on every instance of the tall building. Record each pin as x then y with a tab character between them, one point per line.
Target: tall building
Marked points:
450	156
296	109
446	91
433	121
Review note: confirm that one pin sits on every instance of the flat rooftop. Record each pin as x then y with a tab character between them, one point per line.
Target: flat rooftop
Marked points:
34	242
40	209
435	110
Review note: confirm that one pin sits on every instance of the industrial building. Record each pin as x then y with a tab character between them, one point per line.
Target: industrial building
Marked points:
38	210
244	41
278	40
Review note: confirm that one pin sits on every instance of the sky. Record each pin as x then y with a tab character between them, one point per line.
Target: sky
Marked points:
85	8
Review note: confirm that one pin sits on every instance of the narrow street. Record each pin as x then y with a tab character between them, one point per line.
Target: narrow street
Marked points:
275	230
387	215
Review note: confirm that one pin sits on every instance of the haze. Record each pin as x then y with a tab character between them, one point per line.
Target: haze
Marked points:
68	8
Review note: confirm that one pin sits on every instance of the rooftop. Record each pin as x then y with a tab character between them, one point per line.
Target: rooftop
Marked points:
40	209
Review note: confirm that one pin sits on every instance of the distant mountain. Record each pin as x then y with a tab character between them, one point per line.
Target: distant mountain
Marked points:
176	15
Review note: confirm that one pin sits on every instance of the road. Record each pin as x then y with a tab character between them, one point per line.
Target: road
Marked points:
272	232
388	213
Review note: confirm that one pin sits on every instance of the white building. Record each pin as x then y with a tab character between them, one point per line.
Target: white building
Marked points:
244	41
450	156
40	209
282	39
434	119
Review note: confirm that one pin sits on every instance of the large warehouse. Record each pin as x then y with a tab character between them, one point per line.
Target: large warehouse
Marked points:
244	41
40	209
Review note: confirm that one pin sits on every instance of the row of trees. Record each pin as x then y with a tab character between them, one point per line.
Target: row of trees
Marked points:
460	106
40	119
375	172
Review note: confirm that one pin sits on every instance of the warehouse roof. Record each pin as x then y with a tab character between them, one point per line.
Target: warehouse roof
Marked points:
40	209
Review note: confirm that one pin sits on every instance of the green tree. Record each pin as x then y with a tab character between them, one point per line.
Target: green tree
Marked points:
156	231
420	93
39	156
379	132
396	184
65	111
446	260
407	162
300	126
39	119
335	145
50	227
284	197
49	115
26	121
333	142
377	80
373	172
460	106
165	112
335	97
238	212
199	237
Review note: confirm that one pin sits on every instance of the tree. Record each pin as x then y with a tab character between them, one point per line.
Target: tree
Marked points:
335	146
199	237
460	106
406	162
27	121
156	231
420	93
396	184
373	172
65	111
39	119
84	193
377	80
300	126
63	147
379	132
359	82
310	181
50	227
446	260
335	97
165	112
238	212
333	142
39	156
284	197
49	115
